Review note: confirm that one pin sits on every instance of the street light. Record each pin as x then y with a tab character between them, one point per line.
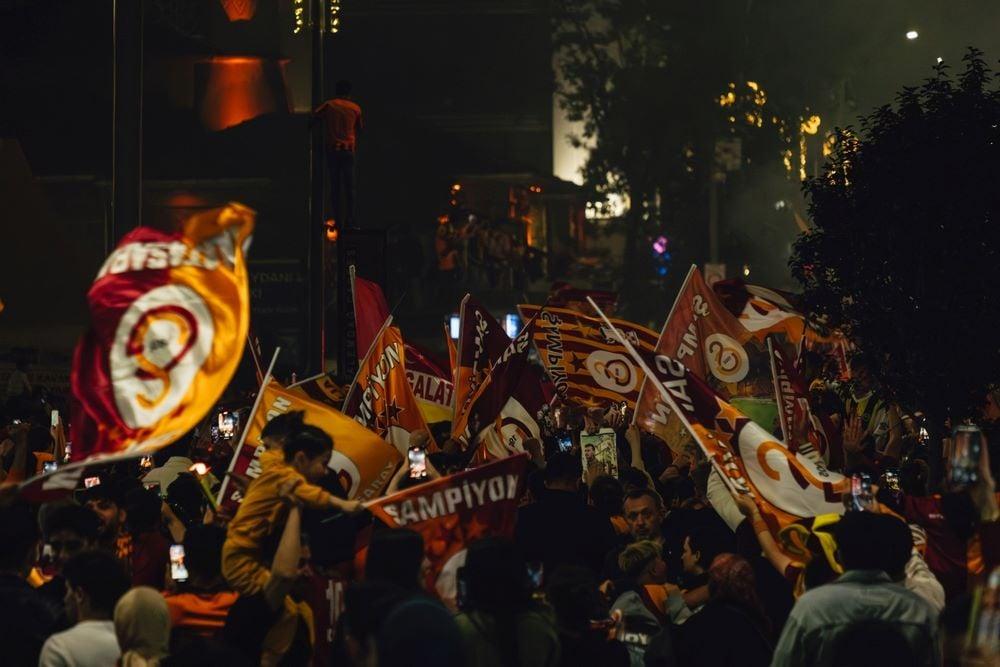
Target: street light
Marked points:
912	35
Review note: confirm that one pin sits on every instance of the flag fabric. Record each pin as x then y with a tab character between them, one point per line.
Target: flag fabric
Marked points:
564	295
481	340
792	393
701	334
169	317
785	484
584	360
431	385
370	311
363	462
505	410
380	397
454	511
322	388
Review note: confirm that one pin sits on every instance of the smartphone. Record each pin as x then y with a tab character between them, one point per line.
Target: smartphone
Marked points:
55	418
91	482
861	498
177	570
890	478
146	462
565	442
49	466
963	469
15	422
418	462
199	469
228	421
536	572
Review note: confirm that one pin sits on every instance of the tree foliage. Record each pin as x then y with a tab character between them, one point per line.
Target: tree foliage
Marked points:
907	241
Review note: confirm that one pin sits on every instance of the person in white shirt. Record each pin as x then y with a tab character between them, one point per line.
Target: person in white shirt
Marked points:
95	581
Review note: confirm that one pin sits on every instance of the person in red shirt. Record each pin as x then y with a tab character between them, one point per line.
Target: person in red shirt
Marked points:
341	118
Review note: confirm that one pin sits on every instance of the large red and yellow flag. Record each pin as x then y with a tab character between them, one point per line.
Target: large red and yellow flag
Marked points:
584	360
431	385
380	398
701	334
321	388
363	462
481	341
786	485
451	512
169	318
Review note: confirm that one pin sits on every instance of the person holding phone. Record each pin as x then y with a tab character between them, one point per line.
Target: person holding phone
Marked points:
200	604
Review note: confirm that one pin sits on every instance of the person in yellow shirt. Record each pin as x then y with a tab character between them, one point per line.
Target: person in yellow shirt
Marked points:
294	469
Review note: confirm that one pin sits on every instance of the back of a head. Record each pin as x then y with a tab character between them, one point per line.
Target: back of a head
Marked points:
342	88
100	576
366	605
309	440
143	509
203	551
913	477
710	541
142	623
187	499
283	425
74	518
495	575
39	439
633	478
572	591
563	468
420	631
872	643
18	538
869	541
637	556
607	494
731	579
395	556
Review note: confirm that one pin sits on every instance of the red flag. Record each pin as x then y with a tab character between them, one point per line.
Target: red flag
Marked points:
481	340
451	512
169	318
370	311
786	485
380	397
564	295
701	334
431	386
452	353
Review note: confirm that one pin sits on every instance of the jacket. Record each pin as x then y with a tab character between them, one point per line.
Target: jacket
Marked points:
857	596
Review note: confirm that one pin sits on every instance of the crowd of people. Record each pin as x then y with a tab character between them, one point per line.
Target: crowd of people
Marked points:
661	565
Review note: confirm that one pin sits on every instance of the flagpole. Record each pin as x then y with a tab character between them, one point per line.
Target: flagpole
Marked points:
256	360
663	392
308	379
246	427
687	279
458	358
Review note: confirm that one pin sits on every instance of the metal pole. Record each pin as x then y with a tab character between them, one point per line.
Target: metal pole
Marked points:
317	233
126	176
713	218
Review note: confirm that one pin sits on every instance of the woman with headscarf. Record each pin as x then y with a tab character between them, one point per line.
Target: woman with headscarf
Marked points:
142	623
733	604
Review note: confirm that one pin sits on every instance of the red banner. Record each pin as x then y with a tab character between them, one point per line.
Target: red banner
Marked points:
451	512
169	317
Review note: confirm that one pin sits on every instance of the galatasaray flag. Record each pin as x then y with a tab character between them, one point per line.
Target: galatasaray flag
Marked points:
430	384
321	388
169	315
451	512
786	485
701	334
481	340
380	398
362	461
504	411
582	357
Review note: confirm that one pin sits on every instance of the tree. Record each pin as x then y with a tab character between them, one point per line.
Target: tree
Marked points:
907	242
642	79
